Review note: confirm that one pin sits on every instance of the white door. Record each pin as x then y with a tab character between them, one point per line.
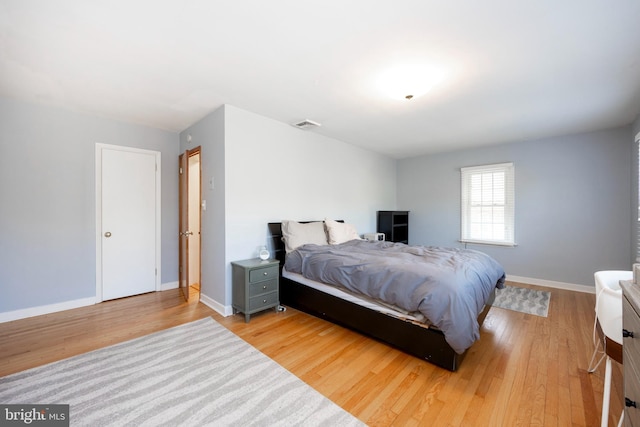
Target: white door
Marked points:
129	221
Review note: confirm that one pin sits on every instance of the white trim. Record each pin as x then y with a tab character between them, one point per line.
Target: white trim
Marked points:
169	285
469	204
228	311
488	242
637	138
98	230
98	170
491	166
215	305
9	316
552	284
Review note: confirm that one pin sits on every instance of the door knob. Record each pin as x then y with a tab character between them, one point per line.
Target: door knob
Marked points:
107	234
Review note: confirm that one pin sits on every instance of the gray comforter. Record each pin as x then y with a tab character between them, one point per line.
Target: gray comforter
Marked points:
448	286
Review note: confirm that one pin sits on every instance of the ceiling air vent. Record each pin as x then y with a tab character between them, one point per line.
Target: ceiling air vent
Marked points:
307	124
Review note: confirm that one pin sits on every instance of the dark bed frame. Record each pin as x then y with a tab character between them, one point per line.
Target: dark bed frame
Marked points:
426	343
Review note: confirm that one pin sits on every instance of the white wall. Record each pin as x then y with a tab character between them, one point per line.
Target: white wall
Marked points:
272	172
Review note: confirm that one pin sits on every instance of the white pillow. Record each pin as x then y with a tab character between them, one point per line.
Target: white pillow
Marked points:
296	234
339	232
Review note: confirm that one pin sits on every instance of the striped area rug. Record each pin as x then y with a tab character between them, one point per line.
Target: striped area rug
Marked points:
195	374
525	300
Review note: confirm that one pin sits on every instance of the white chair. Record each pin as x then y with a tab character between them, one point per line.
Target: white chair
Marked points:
608	325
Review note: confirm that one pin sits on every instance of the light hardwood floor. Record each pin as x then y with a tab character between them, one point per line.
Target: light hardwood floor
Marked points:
525	370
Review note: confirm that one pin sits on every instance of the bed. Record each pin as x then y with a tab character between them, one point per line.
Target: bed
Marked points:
341	305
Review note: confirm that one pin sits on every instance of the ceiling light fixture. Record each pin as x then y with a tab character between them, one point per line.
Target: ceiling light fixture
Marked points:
409	81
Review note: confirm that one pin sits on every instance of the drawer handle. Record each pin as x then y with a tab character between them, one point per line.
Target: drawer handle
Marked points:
627	334
264	287
264	301
265	273
629	403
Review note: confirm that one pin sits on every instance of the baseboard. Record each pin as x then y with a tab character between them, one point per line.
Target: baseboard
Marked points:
169	285
228	311
215	305
9	316
552	284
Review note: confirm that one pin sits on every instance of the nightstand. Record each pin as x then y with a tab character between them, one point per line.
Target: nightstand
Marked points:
255	286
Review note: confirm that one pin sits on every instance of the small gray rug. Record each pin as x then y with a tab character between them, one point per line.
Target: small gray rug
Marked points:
525	300
195	374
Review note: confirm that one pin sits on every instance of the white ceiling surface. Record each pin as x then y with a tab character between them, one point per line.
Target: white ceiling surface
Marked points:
514	70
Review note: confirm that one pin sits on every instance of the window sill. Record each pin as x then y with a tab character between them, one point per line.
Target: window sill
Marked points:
489	243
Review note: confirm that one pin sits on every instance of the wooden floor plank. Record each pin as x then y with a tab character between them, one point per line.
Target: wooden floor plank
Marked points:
525	370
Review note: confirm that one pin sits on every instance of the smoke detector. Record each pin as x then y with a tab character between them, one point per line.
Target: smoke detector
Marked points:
306	124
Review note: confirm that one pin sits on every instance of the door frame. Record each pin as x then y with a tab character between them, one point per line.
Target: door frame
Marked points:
183	213
183	222
99	147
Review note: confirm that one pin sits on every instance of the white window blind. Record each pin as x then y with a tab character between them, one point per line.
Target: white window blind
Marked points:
488	204
637	139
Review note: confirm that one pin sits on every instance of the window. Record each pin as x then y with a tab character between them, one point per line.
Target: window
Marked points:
488	204
638	171
637	139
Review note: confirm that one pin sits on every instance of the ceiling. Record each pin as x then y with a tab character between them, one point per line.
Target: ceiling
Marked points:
512	70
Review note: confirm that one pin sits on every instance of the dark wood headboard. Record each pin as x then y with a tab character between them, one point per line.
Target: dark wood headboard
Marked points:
275	234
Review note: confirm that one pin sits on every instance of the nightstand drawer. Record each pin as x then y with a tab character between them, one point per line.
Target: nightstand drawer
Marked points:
631	390
263	287
266	300
261	274
631	352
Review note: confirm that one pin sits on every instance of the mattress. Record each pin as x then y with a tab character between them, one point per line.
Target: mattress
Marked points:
449	286
417	318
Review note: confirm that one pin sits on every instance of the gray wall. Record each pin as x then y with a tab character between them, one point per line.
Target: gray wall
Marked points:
265	170
208	134
572	203
47	212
